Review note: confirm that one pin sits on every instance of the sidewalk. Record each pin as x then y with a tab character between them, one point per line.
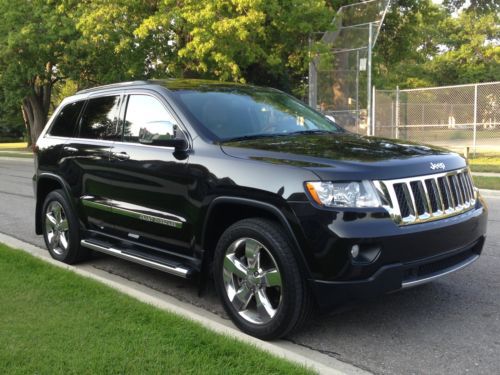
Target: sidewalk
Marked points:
486	174
15	152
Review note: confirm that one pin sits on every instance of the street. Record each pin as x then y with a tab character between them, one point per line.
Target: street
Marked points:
450	326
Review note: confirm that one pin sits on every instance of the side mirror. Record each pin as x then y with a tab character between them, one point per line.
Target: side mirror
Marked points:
163	133
331	118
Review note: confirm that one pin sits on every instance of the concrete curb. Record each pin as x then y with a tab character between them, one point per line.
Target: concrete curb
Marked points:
321	363
16	158
16	152
486	174
487	193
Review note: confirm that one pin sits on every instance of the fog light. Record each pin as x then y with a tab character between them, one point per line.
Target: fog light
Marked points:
365	253
354	251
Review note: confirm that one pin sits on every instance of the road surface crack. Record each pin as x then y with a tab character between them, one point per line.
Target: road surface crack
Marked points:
322	351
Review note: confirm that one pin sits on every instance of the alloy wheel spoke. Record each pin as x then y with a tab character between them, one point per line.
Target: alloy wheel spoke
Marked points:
63	225
264	307
235	266
252	253
242	298
272	278
63	242
51	220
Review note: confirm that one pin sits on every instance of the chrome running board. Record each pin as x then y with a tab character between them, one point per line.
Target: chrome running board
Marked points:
172	269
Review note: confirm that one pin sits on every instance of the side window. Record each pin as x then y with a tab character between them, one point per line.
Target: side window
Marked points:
66	122
146	120
100	118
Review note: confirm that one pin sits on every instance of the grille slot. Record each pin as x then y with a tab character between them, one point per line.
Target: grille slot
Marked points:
433	194
426	198
402	199
418	197
445	192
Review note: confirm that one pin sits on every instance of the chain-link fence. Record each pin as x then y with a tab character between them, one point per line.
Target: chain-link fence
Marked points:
340	72
452	116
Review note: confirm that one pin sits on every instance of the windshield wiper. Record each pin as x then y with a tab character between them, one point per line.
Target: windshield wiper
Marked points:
253	136
256	136
313	131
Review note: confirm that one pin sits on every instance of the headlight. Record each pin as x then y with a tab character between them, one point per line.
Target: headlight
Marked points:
344	194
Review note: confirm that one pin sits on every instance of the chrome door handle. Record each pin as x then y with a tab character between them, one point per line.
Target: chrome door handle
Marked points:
70	149
121	155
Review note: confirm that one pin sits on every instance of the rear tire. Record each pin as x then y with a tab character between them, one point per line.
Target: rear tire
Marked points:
61	230
259	281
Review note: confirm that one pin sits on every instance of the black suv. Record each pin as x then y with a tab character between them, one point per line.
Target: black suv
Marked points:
283	208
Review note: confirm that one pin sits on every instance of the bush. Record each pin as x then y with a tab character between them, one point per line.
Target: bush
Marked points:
12	129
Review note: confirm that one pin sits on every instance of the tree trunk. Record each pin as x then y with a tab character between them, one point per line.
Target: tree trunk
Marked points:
27	126
35	110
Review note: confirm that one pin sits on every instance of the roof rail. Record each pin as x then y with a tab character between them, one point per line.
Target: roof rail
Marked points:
113	86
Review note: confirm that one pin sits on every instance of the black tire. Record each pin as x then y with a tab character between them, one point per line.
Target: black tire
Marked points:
72	252
291	309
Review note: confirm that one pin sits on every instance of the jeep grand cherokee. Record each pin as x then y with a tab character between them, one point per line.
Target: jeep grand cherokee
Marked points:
283	208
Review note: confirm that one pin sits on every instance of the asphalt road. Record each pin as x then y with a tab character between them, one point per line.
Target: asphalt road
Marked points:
451	326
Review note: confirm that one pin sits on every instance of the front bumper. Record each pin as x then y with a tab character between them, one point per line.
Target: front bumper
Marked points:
393	277
406	256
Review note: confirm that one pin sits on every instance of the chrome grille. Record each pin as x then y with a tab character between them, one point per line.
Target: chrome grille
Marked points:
426	198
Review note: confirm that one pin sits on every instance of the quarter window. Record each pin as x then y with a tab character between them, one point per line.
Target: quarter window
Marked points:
66	122
147	120
100	119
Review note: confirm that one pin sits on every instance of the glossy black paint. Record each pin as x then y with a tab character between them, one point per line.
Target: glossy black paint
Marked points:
213	181
345	155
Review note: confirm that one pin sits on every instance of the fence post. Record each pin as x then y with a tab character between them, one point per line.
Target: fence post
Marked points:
396	123
393	130
357	91
313	77
374	103
475	119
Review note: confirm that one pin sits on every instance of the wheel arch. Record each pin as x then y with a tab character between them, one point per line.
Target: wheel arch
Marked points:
245	208
47	182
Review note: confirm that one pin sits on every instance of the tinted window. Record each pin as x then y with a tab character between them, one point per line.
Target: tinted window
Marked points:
232	112
100	118
146	119
66	122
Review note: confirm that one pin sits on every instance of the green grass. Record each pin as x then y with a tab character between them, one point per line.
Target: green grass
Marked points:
486	162
16	155
492	183
15	150
53	321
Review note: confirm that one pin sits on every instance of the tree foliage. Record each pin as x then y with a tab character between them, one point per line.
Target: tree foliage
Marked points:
423	44
106	49
260	41
51	48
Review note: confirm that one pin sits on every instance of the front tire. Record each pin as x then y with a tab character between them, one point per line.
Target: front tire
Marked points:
259	281
61	230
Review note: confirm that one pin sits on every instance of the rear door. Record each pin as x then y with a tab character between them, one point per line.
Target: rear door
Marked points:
86	159
150	197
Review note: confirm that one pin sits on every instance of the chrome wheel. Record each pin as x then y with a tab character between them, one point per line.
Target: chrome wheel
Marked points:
56	228
252	280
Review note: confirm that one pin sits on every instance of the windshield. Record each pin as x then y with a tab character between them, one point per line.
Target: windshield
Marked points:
245	112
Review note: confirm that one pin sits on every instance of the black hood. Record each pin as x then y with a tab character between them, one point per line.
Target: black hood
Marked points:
347	155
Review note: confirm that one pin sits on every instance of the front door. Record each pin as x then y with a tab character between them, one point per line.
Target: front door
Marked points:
150	184
85	162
